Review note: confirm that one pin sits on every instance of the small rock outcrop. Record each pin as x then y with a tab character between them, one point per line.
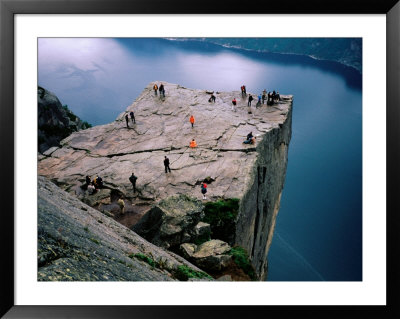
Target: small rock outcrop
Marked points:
78	243
210	256
55	122
253	175
172	221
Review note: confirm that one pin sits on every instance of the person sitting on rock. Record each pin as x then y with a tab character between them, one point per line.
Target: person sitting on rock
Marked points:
249	136
193	144
98	182
91	189
250	141
87	182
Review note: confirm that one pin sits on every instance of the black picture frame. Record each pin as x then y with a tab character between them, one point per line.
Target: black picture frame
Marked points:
8	10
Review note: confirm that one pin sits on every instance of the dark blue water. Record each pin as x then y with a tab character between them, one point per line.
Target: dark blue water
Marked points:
318	235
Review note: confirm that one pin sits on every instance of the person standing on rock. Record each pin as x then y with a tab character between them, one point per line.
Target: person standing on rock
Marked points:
264	95
133	179
132	117
234	104
250	99
155	88
166	165
162	90
204	189
212	98
127	120
191	120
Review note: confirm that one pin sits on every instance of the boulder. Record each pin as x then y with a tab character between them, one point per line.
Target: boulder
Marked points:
212	255
171	221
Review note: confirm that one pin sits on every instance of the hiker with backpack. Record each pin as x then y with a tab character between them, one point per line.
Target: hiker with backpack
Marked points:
155	88
166	165
133	179
98	182
133	117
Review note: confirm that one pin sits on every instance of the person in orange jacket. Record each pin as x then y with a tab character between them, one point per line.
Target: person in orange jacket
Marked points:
192	120
193	144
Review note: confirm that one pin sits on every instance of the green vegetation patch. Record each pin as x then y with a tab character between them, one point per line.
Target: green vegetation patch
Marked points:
95	241
183	273
241	259
144	258
221	215
86	125
221	211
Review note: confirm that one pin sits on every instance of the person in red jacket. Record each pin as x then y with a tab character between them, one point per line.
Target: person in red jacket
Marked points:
192	120
204	189
234	104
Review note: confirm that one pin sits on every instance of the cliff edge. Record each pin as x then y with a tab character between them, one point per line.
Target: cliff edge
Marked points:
252	174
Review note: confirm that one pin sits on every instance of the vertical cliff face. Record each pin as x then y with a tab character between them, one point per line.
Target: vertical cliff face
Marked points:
260	204
247	175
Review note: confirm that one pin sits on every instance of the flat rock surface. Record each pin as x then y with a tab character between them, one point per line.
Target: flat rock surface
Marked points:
162	128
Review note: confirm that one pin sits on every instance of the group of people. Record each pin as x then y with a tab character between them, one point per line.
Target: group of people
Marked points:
92	185
271	97
161	89
132	118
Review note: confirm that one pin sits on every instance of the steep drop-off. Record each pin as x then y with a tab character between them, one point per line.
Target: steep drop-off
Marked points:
254	174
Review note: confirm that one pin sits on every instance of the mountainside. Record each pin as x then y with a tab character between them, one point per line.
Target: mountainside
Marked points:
78	243
55	122
250	176
347	51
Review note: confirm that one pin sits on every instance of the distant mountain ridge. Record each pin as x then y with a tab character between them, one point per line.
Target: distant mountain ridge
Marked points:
347	51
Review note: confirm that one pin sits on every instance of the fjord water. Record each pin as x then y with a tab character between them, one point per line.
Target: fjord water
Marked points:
318	235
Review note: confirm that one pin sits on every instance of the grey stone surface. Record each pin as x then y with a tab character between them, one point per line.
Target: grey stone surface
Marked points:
78	243
253	173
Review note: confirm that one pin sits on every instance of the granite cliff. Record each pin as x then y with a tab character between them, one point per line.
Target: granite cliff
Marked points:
55	121
250	175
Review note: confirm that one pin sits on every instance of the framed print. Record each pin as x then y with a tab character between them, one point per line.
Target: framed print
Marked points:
184	221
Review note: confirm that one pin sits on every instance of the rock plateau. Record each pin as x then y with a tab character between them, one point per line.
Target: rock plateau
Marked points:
253	174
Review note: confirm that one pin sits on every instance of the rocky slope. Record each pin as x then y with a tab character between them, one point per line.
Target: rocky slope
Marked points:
78	243
254	174
55	122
